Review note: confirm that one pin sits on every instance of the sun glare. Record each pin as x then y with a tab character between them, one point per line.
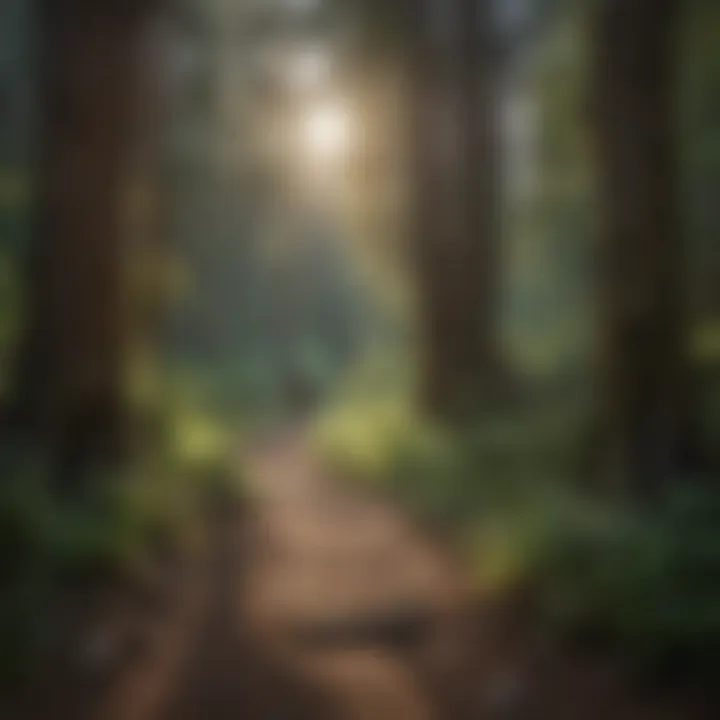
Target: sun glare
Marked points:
327	132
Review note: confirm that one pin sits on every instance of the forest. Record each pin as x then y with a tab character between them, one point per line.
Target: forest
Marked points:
359	359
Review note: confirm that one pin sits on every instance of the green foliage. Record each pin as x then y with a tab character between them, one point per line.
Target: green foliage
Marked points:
700	145
373	440
45	543
373	435
646	581
646	584
118	526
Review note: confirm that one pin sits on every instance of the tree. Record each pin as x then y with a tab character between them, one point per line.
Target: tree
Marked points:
700	81
648	426
70	384
479	354
453	71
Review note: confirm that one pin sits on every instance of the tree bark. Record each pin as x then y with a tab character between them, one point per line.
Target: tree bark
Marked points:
70	396
480	98
645	389
454	175
428	198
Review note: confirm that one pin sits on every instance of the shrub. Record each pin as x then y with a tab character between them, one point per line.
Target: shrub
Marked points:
49	544
647	581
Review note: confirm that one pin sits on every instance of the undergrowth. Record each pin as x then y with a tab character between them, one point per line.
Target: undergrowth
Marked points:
117	526
645	582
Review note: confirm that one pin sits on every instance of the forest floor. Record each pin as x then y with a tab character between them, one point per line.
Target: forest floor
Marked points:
314	602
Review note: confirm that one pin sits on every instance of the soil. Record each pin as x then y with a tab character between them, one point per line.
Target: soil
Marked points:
313	602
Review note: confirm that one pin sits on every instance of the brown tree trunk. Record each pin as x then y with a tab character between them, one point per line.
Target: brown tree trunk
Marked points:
453	145
429	195
70	386
645	369
480	98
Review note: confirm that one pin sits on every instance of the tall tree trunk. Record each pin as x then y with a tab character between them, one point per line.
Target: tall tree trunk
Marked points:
645	369
70	388
453	145
429	194
480	99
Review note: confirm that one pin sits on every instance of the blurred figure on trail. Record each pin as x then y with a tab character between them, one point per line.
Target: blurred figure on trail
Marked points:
301	393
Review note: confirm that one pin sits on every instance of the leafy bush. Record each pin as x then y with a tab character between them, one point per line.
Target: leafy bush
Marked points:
647	581
451	477
45	543
117	526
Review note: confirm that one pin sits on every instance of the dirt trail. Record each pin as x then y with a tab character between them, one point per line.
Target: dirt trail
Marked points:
316	603
347	594
311	604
